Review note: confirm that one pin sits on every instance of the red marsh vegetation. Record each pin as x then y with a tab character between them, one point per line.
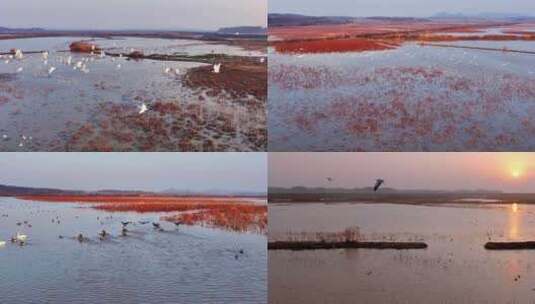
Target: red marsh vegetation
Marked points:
372	36
236	214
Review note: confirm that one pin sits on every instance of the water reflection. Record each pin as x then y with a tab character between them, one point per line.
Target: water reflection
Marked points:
514	219
455	260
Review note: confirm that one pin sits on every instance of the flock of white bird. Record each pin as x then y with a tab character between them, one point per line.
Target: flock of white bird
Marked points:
18	238
82	66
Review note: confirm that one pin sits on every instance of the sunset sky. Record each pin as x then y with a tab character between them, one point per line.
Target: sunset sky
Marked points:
509	172
137	171
418	8
133	14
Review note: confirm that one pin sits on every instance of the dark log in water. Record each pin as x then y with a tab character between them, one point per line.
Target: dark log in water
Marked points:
477	48
347	245
509	245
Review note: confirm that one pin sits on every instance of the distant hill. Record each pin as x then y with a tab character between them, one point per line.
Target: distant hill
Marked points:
243	30
488	15
307	190
295	20
9	190
303	20
15	30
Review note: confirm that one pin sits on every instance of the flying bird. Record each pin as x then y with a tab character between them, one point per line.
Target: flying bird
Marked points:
143	108
378	184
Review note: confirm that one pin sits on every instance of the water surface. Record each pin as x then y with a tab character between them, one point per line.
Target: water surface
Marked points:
186	265
454	269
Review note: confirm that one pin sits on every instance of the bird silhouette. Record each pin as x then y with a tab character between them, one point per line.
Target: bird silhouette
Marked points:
378	184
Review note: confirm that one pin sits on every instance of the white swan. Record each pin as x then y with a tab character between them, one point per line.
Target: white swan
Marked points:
217	68
18	54
143	108
21	237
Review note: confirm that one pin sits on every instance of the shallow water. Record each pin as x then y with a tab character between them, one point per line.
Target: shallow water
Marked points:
42	112
412	98
186	265
454	269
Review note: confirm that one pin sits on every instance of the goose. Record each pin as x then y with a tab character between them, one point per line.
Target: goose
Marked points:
217	68
143	108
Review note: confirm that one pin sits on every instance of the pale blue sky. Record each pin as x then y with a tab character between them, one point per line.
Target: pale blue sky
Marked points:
132	14
137	171
418	8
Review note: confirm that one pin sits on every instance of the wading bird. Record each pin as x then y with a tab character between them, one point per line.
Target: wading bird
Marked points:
217	68
378	184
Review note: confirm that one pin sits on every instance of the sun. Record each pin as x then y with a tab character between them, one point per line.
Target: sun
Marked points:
516	173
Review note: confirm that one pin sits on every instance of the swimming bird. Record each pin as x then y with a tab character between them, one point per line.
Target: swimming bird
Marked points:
142	108
167	70
125	223
124	231
156	225
20	69
103	234
378	184
2	243
21	237
178	223
118	66
217	68
69	60
45	56
262	59
18	54
51	70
